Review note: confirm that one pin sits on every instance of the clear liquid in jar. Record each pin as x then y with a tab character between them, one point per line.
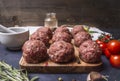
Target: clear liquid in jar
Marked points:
50	20
51	24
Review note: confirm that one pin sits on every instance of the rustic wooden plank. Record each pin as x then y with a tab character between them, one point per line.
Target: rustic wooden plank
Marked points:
101	13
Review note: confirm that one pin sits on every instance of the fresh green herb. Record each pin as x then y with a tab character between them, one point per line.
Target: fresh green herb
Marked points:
87	28
8	73
92	32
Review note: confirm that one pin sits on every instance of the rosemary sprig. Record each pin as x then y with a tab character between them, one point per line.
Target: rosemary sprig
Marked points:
8	73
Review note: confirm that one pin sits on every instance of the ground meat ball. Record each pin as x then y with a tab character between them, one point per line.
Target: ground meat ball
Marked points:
34	36
43	34
61	52
61	36
40	36
80	37
90	52
62	29
46	30
76	29
34	51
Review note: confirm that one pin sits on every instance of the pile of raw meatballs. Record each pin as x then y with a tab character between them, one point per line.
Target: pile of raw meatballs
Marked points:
56	45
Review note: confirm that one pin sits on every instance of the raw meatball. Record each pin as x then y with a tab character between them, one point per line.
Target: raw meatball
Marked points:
46	30
34	51
62	29
77	28
61	36
35	36
43	34
61	52
40	36
90	52
80	37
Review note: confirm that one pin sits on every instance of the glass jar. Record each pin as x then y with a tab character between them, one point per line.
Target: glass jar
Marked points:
51	20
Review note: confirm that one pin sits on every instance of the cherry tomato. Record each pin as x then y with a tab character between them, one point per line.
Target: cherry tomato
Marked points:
99	42
115	60
102	45
107	53
107	36
114	46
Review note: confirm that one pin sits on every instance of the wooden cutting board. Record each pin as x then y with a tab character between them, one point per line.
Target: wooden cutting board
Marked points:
51	67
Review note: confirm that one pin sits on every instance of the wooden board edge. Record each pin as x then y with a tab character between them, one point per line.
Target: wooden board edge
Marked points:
62	69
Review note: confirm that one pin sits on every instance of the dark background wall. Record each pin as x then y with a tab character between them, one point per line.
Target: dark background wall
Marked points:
104	14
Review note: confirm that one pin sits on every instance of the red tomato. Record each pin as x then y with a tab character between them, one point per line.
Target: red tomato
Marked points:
102	45
107	36
114	46
107	53
99	42
115	60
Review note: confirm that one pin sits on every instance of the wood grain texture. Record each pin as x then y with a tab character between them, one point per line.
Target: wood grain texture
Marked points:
103	14
99	13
